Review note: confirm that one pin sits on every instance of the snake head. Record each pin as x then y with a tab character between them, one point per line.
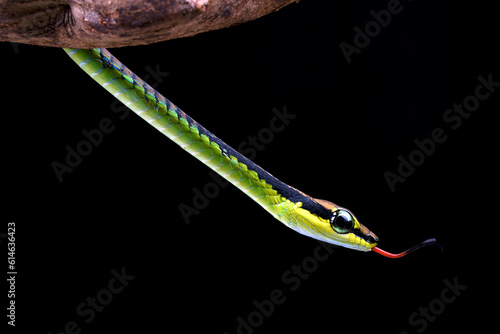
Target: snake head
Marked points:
345	230
335	225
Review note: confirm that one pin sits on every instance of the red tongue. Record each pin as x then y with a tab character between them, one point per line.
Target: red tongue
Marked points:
427	242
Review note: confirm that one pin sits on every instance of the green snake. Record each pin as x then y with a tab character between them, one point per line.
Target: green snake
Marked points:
316	218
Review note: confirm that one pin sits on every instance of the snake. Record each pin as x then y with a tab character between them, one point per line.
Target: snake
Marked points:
316	218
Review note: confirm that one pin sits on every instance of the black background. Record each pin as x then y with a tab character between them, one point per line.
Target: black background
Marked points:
119	207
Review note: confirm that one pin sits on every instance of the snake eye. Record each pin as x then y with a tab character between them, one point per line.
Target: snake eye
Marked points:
342	221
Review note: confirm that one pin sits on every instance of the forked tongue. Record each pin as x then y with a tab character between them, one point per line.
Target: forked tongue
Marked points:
428	242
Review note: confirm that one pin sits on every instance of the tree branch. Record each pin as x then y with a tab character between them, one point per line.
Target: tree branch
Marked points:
103	23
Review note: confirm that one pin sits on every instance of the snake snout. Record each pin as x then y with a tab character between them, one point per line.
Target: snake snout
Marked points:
370	237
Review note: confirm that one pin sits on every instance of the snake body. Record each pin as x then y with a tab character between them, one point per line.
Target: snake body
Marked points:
312	217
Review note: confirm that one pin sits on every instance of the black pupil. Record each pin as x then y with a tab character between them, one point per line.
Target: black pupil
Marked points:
342	222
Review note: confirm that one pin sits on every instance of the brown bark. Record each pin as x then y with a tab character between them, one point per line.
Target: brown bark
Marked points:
104	23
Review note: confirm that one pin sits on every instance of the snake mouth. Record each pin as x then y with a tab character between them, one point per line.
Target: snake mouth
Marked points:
364	233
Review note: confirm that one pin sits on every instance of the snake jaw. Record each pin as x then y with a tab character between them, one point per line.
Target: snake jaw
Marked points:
358	237
372	237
